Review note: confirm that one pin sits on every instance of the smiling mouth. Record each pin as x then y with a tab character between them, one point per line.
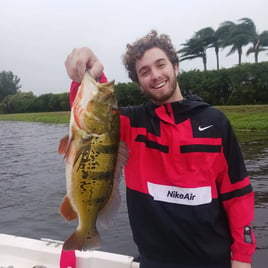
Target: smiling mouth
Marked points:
159	85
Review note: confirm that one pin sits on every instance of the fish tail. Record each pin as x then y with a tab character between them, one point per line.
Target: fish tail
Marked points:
79	241
93	242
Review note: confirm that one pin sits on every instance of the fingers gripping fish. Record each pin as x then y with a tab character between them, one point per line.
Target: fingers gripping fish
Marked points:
94	159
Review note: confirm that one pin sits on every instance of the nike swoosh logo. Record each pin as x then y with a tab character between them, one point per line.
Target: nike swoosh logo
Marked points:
204	128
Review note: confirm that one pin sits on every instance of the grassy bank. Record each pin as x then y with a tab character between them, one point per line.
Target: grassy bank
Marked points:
247	117
242	117
49	117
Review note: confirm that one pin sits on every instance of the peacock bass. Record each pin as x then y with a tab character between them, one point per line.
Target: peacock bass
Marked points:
93	162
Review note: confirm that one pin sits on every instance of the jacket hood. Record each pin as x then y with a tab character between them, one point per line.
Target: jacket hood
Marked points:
178	111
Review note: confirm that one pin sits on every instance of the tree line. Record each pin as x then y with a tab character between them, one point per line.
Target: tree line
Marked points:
234	36
242	84
14	101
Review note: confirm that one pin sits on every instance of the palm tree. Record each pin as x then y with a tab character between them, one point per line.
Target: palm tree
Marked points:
215	42
236	35
258	41
259	44
197	45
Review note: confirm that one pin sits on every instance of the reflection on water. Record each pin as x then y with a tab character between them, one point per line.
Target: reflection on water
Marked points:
32	185
255	150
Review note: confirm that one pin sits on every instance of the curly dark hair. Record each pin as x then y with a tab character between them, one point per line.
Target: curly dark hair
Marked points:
136	51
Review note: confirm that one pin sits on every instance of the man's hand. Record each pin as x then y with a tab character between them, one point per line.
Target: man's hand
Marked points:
239	264
81	59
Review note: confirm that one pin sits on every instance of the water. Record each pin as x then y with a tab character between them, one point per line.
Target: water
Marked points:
256	158
32	185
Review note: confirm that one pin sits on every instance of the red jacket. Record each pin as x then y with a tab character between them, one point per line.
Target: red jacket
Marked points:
189	197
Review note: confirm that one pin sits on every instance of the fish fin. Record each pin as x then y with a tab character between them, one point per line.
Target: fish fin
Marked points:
63	145
78	241
113	204
93	242
66	209
82	151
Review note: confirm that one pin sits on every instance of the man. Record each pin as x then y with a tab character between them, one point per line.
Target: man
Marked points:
189	197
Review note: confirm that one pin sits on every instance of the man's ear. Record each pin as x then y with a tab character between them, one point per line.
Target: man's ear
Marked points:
176	69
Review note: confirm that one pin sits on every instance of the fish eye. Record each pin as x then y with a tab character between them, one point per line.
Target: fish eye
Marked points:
114	109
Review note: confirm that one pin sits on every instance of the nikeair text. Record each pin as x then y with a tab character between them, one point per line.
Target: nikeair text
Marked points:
176	194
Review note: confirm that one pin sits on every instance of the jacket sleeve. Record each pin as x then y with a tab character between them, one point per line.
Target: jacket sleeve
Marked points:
237	197
74	88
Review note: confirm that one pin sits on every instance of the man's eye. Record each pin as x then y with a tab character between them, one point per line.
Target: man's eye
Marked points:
144	73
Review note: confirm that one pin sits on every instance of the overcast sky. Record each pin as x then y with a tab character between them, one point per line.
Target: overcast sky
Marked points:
37	35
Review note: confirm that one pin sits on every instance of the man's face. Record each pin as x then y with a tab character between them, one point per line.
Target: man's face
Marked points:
157	76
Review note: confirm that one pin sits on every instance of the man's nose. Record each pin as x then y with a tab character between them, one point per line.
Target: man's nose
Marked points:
155	73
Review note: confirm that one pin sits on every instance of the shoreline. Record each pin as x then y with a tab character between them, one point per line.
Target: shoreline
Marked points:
242	117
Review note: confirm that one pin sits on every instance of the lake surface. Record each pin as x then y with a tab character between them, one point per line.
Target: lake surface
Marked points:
32	185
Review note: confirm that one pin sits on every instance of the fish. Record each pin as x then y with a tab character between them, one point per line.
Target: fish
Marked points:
94	159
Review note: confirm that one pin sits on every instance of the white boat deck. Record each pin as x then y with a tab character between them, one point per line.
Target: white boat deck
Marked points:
20	252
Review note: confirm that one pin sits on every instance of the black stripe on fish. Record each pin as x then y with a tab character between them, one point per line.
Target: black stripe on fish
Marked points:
89	155
105	149
94	176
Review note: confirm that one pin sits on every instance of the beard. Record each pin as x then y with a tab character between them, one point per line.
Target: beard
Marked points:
163	97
